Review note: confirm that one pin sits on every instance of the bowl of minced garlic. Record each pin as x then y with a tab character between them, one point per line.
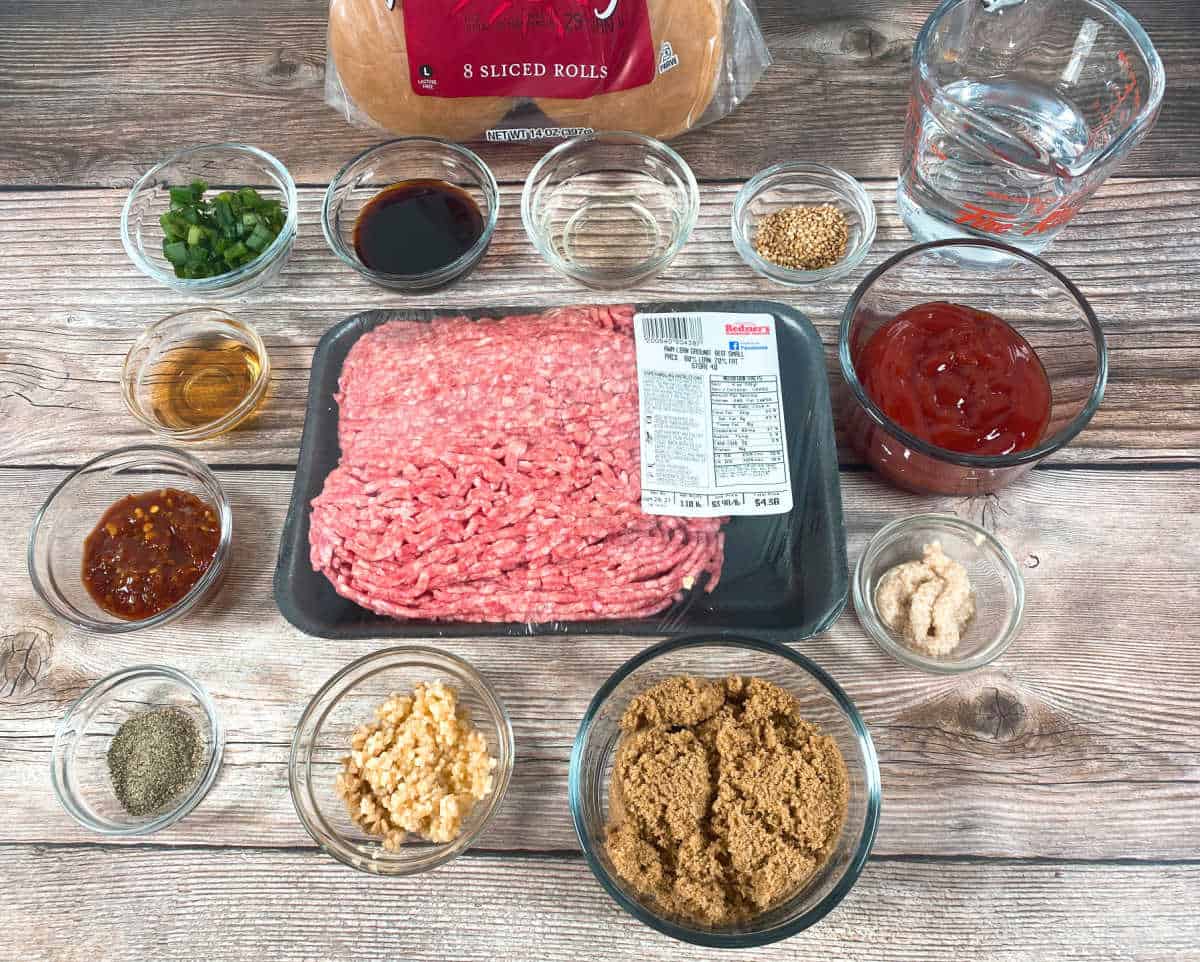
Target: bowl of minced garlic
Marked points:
939	593
419	767
400	761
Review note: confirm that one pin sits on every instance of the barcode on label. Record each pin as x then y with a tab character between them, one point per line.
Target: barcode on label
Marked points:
663	329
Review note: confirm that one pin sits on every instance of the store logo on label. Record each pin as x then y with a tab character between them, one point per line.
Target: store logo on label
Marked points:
744	329
666	57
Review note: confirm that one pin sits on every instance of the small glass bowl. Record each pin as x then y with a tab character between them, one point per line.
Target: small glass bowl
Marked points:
995	579
322	740
74	508
610	210
187	349
822	702
409	158
1036	300
221	166
801	184
78	763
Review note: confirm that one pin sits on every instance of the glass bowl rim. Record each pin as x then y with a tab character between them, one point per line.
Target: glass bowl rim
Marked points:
849	188
224	545
992	462
646	268
226	421
329	840
871	778
221	282
1118	15
865	606
446	272
191	799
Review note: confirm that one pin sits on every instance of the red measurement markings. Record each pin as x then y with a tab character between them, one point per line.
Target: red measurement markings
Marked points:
980	218
1056	218
1126	105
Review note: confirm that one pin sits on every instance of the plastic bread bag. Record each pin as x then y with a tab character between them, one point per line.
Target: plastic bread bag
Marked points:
540	69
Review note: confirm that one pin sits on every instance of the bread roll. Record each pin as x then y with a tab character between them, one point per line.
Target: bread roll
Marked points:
674	101
367	48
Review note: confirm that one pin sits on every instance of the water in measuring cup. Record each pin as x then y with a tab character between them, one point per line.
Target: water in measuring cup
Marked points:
1013	175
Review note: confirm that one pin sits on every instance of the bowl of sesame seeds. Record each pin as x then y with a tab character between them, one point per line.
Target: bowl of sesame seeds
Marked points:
800	224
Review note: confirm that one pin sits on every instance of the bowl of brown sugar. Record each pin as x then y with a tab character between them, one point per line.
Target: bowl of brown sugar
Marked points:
725	791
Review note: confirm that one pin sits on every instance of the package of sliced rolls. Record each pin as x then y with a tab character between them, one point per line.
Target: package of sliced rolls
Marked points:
512	70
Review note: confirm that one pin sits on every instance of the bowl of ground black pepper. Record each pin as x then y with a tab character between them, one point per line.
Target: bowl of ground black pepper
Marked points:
802	224
137	752
725	791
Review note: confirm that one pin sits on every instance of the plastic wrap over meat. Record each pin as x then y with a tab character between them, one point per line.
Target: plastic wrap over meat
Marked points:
490	472
540	69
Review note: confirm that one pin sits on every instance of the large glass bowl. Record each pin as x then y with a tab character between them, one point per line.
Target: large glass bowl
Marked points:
348	700
1036	300
610	209
79	767
409	158
221	166
822	702
74	508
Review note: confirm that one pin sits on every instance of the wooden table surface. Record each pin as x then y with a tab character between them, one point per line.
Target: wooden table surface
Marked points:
1046	807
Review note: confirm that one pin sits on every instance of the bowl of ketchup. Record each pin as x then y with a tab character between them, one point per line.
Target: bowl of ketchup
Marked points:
965	371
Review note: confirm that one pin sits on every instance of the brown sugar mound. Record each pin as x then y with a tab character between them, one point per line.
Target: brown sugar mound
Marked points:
368	49
724	801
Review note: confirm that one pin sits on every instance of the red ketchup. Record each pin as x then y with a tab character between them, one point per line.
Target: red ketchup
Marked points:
958	378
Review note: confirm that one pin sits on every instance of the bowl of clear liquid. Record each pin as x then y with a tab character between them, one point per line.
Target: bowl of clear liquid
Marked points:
610	209
196	374
1021	109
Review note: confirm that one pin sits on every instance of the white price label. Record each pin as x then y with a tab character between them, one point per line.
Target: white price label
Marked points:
713	439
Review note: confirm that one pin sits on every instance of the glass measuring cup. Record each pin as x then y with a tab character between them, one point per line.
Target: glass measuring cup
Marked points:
1020	109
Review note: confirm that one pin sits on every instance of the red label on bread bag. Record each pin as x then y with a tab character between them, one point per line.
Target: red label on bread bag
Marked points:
527	48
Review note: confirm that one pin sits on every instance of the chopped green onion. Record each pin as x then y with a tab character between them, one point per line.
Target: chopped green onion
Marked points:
206	238
258	240
176	253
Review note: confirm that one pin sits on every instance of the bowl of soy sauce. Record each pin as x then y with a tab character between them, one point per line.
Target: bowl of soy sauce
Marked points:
413	214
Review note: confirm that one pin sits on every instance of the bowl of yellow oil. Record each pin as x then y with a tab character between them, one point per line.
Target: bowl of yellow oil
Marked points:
196	374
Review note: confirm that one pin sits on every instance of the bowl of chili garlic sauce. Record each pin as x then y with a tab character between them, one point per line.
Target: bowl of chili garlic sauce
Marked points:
134	538
966	371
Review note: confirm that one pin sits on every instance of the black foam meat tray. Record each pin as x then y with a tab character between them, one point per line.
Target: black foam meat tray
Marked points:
785	576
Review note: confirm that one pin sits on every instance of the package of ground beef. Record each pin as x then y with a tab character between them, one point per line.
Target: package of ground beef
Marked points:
540	69
633	469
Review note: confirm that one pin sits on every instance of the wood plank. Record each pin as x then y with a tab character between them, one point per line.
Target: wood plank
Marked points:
98	95
132	905
1078	743
71	311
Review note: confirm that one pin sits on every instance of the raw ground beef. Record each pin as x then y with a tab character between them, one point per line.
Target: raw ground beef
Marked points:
490	472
